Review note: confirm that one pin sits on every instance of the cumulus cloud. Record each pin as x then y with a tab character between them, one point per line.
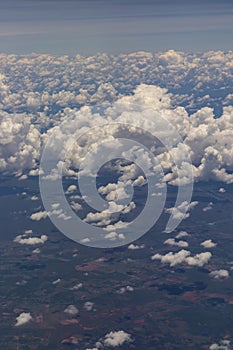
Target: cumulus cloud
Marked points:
71	310
39	215
208	244
208	207
123	290
181	211
219	274
23	318
135	246
172	241
114	339
24	239
182	234
88	306
222	345
183	256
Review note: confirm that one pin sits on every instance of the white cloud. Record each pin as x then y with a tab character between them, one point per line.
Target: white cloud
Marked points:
208	244
208	207
88	306
123	290
172	241
219	274
117	338
23	318
39	215
71	189
181	211
222	345
222	190
182	234
24	239
71	310
183	256
135	246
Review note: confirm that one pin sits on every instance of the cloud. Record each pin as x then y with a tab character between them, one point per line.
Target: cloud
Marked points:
135	246
71	310
23	318
222	345
24	239
208	207
114	339
39	215
172	241
219	274
182	234
123	290
208	244
183	256
88	306
181	211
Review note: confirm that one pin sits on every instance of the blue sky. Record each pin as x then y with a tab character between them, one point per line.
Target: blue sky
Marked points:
114	26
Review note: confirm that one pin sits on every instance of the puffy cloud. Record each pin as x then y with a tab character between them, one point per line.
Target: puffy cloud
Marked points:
219	274
76	286
135	246
71	310
183	256
71	189
24	239
222	190
125	289
172	241
182	234
222	345
181	211
23	318
199	259
172	258
208	244
117	338
39	215
208	207
88	305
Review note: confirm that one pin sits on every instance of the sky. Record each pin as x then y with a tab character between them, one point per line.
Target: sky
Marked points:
114	26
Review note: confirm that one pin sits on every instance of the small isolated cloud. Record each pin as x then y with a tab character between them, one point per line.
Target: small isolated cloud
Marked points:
172	241
112	236
123	290
71	310
76	286
39	215
181	211
117	338
23	318
71	189
222	190
182	234
222	345
56	281
219	274
208	244
36	251
88	305
208	207
23	239
135	246
85	240
34	198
